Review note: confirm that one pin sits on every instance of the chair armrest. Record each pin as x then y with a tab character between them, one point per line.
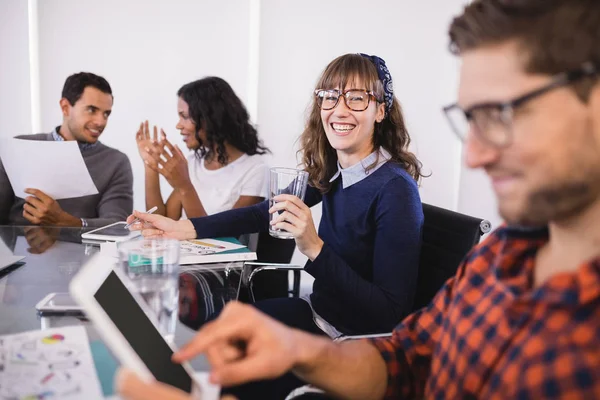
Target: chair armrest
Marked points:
260	267
253	268
308	391
257	267
358	337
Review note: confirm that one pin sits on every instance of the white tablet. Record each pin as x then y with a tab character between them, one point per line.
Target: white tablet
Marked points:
126	325
113	233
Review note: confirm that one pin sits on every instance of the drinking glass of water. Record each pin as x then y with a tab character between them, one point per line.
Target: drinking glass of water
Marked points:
152	265
285	181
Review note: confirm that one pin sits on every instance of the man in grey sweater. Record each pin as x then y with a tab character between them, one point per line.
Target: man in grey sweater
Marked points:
86	104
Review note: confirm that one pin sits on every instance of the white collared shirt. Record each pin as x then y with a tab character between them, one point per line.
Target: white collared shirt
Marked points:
358	171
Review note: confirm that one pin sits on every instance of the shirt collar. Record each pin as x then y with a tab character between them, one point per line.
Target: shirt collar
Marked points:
82	146
360	170
517	270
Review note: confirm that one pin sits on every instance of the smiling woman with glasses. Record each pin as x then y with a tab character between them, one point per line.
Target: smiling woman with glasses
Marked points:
493	122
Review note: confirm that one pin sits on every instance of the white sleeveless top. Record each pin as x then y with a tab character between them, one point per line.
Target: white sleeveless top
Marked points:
220	189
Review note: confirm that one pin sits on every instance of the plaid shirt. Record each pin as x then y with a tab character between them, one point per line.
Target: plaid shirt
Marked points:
490	334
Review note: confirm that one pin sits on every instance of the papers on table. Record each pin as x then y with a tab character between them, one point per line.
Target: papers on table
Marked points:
6	256
55	168
207	246
53	363
200	251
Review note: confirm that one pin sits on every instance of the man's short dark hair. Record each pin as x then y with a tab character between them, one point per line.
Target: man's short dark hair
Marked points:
554	35
76	84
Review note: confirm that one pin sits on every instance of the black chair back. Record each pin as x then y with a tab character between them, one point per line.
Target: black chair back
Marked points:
447	238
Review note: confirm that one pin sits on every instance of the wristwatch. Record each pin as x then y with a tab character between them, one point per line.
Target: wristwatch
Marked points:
84	223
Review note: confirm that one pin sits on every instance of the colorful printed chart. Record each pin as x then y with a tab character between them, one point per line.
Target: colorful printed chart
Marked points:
53	339
51	364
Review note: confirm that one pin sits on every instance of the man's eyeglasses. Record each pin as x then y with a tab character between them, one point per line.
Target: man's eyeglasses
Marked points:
355	99
493	122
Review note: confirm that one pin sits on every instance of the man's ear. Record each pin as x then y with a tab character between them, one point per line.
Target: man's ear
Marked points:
65	107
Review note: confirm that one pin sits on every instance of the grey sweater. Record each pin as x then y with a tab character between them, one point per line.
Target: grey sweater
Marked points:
111	172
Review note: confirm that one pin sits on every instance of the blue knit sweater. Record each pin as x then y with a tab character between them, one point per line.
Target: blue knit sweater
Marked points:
366	273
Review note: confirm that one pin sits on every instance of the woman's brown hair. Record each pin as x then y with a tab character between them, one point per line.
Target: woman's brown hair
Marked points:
319	158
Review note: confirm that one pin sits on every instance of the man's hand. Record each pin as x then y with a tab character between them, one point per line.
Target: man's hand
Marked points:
131	387
243	345
40	238
41	209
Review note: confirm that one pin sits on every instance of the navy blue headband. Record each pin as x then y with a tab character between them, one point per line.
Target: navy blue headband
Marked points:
386	78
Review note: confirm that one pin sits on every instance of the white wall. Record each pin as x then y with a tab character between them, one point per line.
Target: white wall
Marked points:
148	48
15	98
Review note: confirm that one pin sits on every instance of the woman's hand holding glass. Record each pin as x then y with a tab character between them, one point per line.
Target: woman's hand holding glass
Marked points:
295	217
157	226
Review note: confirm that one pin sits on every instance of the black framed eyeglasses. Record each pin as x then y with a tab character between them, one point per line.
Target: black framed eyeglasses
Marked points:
355	99
493	122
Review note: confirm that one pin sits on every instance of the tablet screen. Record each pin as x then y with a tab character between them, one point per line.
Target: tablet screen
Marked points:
113	230
141	334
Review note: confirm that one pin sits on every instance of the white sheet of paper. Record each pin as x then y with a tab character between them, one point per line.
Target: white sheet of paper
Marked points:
53	363
55	168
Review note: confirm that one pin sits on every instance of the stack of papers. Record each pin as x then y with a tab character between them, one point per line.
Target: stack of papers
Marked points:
200	251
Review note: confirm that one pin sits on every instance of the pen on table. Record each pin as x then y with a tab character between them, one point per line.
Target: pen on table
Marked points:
150	211
201	243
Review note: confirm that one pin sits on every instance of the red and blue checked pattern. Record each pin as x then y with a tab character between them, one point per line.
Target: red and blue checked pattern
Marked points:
489	334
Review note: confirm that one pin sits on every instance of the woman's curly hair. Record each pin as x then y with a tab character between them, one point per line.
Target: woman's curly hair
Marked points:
215	108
